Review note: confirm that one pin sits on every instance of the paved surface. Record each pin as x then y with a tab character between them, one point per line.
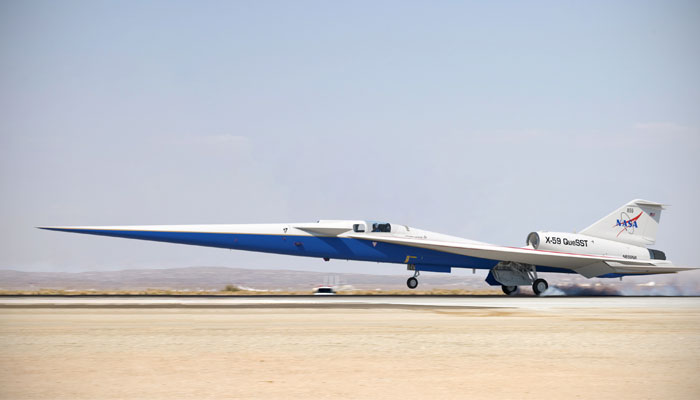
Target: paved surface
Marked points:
525	303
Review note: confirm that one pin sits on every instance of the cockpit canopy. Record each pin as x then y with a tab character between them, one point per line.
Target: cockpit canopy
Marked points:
381	227
375	227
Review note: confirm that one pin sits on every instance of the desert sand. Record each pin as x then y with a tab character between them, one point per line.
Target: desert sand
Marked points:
351	352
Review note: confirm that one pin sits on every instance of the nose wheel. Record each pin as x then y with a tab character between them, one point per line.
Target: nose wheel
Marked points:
412	282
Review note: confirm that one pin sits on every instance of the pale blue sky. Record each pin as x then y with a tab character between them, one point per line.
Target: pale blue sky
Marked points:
481	119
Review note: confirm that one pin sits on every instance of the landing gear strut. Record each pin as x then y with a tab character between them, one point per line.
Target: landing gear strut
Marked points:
509	290
412	282
539	286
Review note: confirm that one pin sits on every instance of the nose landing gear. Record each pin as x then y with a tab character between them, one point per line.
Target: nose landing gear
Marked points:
412	282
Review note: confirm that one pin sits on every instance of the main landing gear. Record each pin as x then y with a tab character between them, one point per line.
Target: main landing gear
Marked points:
511	275
412	282
509	290
539	286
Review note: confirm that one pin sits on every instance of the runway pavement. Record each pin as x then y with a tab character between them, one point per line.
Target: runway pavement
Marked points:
517	302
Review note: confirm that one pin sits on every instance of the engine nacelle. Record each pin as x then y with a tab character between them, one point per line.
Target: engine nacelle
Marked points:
581	244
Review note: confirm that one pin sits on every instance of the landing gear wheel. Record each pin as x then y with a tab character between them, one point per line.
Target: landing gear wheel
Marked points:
509	290
412	283
539	286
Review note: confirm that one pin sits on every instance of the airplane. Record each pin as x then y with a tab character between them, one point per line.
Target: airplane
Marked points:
612	247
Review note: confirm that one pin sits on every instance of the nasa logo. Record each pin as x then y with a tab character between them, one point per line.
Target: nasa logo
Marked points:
628	224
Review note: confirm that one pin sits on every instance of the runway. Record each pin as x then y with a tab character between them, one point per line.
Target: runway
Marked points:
407	347
517	302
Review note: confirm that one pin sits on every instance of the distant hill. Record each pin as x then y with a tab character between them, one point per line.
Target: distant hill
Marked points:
216	278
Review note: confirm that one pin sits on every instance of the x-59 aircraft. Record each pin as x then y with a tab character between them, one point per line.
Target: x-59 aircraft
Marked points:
615	246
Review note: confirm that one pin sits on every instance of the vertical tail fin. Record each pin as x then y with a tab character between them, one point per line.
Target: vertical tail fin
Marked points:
634	223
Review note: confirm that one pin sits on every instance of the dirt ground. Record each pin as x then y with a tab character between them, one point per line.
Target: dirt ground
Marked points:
373	353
